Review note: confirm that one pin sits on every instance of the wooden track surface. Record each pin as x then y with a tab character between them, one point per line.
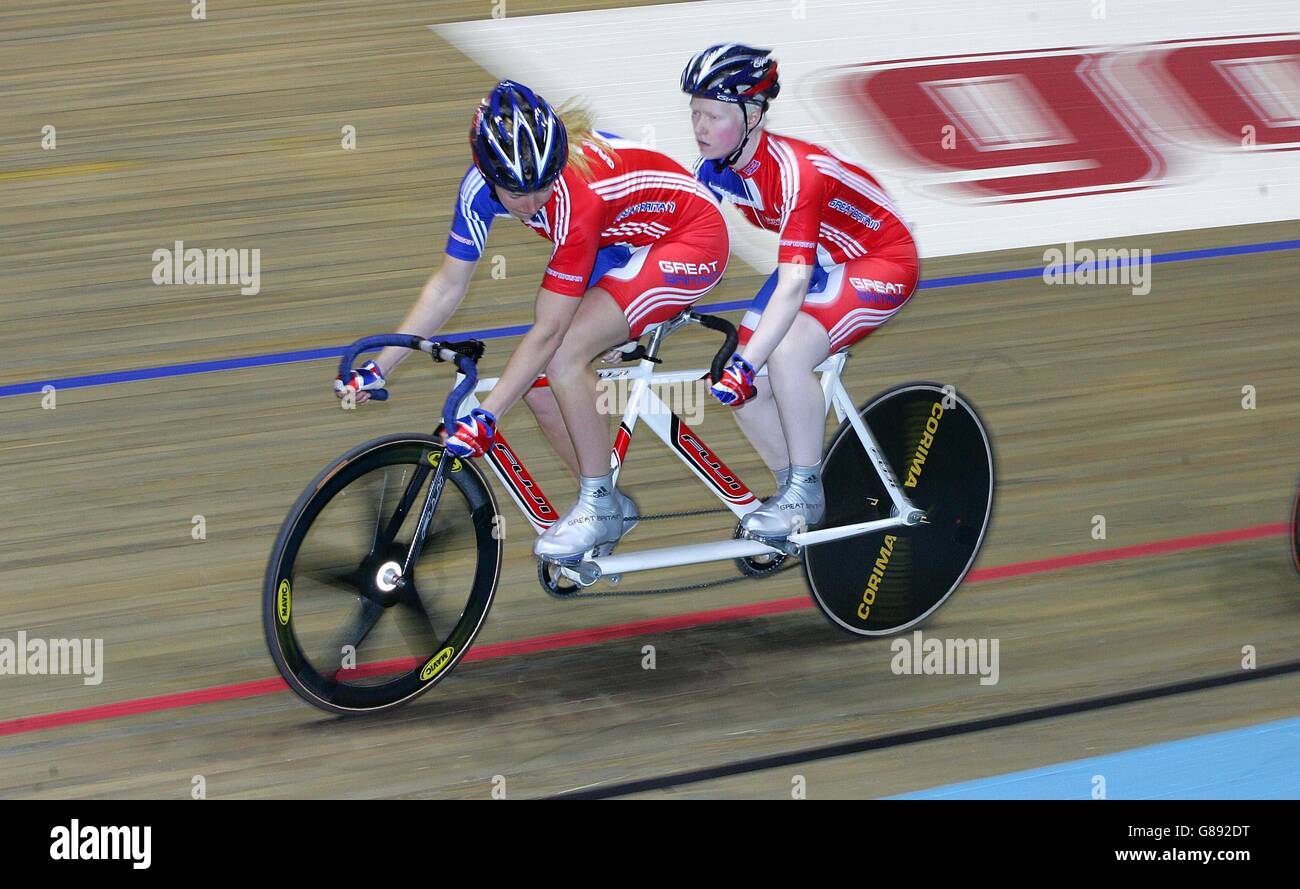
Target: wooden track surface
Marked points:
226	133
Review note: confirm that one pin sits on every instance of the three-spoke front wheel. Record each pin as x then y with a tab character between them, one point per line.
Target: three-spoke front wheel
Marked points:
369	597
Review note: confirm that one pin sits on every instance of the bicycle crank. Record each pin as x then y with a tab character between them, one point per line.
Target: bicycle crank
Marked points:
570	579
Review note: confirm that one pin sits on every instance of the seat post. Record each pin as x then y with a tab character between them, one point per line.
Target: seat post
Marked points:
652	348
660	333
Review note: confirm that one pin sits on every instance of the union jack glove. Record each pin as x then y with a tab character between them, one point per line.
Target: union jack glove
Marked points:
366	381
473	434
737	383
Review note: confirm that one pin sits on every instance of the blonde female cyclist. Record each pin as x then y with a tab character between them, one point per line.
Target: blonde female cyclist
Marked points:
637	239
846	263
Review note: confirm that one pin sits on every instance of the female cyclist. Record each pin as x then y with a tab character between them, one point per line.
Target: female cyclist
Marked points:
637	239
846	263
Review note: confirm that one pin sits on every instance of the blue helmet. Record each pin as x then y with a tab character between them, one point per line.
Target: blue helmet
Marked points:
519	141
732	72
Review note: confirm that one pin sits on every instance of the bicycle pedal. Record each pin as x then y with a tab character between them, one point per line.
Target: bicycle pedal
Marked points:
566	569
782	544
581	572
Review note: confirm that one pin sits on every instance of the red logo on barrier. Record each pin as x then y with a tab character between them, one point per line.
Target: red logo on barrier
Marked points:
1011	127
1245	92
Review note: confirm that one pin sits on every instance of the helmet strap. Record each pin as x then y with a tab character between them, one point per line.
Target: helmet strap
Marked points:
720	165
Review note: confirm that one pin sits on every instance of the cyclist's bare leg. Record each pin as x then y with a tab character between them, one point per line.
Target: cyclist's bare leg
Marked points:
598	326
541	401
761	423
599	518
801	403
798	391
790	380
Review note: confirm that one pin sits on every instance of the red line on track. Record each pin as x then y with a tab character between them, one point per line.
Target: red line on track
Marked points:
1155	548
572	638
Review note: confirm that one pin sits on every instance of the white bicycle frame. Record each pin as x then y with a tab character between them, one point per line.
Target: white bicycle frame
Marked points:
645	403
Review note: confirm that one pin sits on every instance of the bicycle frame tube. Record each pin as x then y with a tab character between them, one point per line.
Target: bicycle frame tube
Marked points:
837	396
690	448
680	439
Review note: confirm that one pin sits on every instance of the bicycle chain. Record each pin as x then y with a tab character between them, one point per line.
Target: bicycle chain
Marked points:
606	594
676	515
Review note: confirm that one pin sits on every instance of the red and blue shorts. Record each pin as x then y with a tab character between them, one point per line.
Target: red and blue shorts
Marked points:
848	300
655	282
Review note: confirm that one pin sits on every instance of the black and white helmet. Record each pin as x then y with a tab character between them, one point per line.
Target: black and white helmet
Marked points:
733	72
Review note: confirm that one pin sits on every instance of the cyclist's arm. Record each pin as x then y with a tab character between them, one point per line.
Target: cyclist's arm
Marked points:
555	312
796	253
563	285
442	295
791	287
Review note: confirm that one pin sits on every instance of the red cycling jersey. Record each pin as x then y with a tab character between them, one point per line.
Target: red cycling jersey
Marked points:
640	227
831	214
635	197
827	210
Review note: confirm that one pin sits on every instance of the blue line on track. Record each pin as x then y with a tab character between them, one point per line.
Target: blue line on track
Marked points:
198	367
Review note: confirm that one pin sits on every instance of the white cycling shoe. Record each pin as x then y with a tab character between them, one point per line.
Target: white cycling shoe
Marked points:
797	506
595	522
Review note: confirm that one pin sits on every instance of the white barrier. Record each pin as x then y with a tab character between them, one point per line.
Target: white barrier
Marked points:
1013	124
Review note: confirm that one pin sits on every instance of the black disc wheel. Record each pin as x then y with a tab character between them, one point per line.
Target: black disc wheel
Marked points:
936	447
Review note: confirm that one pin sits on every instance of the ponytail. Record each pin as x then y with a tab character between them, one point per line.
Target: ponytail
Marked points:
579	124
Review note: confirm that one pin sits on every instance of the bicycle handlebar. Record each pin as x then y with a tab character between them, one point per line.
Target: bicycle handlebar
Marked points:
464	354
723	326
